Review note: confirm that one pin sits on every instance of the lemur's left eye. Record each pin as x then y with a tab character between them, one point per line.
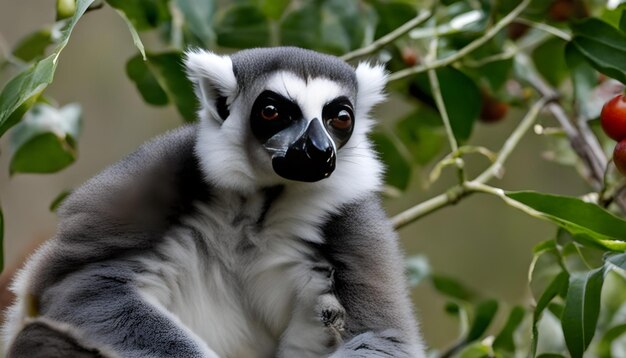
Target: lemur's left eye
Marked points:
343	120
269	113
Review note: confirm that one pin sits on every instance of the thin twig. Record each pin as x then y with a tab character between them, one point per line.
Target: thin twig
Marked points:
465	50
476	186
438	97
441	107
524	126
545	27
429	206
390	37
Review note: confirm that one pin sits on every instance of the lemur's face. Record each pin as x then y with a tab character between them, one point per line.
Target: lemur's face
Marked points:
302	125
280	116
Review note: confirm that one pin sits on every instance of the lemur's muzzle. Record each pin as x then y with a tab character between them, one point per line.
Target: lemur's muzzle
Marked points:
310	158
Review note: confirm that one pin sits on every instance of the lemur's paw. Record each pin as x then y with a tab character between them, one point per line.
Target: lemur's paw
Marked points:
332	315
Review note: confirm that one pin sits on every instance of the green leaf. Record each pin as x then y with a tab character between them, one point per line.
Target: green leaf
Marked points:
19	113
578	257
199	18
550	355
143	14
476	350
603	46
273	9
32	81
558	284
422	133
556	309
461	97
622	20
549	60
148	86
301	27
582	307
391	15
168	70
133	34
588	223
483	315
351	17
34	45
613	303
545	267
505	341
45	141
417	269
242	26
605	344
161	79
54	205
398	173
452	288
333	26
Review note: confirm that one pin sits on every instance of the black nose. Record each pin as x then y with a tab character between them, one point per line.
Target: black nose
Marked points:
317	145
310	158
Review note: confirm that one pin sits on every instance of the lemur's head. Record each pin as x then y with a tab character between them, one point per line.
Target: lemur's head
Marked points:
278	115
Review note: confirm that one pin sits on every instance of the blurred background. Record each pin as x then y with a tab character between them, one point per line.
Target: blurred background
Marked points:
480	241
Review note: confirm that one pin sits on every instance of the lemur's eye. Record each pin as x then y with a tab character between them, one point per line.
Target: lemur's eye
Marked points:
269	113
343	120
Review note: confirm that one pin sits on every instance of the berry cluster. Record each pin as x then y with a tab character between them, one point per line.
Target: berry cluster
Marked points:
613	120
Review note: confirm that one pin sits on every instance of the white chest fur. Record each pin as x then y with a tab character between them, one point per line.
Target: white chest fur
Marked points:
234	282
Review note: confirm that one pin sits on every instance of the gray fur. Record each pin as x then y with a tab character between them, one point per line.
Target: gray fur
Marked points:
127	208
254	64
40	340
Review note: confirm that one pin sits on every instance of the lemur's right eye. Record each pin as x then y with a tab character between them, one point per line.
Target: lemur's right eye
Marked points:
269	113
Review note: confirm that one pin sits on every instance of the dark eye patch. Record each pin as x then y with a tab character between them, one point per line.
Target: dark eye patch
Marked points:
283	111
338	116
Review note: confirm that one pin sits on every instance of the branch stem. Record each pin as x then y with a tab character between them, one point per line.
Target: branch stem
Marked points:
390	37
547	28
512	141
438	97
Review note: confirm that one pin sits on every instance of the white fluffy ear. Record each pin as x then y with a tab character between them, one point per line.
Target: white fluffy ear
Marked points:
371	81
214	80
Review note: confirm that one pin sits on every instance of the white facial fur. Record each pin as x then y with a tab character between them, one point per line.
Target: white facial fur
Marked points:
230	156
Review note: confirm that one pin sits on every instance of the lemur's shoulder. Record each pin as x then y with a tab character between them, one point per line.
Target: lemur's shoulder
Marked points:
128	207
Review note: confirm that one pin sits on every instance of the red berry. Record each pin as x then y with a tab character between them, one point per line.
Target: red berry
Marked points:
561	10
613	118
516	30
492	110
409	56
619	156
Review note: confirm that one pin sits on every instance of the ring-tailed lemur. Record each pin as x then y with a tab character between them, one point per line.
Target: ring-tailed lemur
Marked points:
255	233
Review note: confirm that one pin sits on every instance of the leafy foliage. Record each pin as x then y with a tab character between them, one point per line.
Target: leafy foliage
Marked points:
471	55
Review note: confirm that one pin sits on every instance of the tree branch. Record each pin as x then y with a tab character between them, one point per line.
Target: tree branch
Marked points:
582	140
452	196
594	162
465	50
389	38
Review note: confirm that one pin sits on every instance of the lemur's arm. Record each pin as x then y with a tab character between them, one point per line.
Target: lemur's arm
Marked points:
370	284
97	312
